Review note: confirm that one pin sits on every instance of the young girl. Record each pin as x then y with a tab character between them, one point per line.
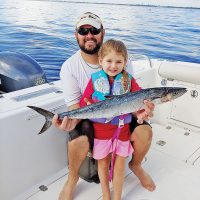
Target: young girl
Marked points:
111	139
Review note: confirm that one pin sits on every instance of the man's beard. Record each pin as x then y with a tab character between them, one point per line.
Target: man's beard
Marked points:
90	51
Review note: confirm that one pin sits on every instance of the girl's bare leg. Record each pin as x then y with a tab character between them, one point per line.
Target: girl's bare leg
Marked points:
103	171
118	177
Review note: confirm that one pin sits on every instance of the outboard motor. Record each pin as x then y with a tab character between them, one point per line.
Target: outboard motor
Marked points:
19	71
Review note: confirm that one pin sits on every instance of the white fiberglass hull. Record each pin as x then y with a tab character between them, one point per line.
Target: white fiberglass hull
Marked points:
28	160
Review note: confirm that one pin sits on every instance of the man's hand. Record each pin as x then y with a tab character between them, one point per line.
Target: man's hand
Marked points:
145	113
66	124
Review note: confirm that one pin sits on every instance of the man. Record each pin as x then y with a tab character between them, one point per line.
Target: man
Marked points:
75	74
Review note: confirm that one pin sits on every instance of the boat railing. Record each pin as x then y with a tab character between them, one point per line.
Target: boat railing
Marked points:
136	57
140	62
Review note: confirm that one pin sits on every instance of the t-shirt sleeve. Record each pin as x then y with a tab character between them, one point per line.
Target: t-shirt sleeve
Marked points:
134	85
89	90
71	90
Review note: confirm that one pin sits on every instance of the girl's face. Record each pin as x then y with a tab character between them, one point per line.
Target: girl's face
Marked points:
113	63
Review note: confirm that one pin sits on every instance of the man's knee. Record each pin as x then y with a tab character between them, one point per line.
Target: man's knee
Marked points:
142	133
79	143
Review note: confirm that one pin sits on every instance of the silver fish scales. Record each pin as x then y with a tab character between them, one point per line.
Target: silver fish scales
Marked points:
116	105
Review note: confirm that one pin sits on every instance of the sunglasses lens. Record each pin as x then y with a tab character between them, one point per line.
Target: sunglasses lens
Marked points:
85	31
95	31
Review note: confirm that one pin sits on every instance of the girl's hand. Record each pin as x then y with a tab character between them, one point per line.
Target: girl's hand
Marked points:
88	101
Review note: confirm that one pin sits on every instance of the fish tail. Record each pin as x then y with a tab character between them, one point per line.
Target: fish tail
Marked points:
48	117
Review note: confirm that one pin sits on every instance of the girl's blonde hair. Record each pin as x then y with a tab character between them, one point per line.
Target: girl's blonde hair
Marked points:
113	45
118	47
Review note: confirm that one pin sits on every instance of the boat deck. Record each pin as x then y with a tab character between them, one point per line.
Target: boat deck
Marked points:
173	162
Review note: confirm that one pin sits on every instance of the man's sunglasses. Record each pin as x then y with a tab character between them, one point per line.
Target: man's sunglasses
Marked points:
85	31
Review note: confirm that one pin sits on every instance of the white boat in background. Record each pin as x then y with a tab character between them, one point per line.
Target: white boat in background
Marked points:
34	167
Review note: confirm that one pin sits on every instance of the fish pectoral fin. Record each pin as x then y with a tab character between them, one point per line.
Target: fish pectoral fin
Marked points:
109	119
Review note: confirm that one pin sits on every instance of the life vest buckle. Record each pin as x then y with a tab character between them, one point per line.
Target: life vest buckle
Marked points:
121	123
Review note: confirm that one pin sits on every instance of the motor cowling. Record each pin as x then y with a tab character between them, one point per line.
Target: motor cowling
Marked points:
19	71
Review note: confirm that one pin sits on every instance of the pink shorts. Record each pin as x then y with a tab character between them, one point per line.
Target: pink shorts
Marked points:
104	147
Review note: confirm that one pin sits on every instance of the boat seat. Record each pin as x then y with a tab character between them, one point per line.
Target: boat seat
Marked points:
180	71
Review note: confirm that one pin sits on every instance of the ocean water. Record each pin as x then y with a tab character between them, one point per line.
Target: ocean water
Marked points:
45	30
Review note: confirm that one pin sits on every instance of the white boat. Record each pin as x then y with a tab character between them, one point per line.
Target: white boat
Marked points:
34	167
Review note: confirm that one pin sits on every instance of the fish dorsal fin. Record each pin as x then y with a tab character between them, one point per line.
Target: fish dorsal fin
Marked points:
111	96
108	96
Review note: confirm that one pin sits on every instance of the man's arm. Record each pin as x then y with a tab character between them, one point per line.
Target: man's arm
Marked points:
86	99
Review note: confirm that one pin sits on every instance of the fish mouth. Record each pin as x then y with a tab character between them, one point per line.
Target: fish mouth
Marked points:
179	91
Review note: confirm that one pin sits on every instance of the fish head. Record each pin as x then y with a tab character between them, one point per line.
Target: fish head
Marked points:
165	94
171	93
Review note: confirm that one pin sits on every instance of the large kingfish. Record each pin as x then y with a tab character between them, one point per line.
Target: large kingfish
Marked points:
116	105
